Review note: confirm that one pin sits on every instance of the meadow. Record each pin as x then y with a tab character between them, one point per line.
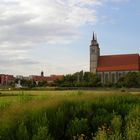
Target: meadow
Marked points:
69	115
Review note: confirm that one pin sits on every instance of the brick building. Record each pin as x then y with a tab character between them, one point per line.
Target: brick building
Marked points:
111	68
6	79
42	78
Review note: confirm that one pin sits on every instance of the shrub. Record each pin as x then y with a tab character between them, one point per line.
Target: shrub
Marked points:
78	127
22	132
101	134
42	134
116	126
133	124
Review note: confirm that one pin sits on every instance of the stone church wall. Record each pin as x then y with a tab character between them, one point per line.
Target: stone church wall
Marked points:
112	76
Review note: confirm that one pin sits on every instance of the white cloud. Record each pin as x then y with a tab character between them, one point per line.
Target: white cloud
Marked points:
119	0
27	24
32	19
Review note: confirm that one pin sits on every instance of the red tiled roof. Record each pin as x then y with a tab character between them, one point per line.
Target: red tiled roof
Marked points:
123	62
49	78
54	77
39	78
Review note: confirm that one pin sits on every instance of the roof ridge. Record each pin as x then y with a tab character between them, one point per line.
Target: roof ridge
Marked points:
121	54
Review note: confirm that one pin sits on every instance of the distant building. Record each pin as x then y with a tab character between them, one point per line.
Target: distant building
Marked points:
6	79
42	78
52	78
19	77
111	68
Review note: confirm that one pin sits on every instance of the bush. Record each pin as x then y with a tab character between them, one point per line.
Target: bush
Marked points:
78	127
131	79
79	79
133	124
42	134
22	132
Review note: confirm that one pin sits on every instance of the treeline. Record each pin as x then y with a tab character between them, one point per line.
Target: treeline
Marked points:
30	83
84	79
130	80
79	79
87	79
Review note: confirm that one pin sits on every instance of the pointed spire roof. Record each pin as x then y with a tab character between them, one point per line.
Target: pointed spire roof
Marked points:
94	36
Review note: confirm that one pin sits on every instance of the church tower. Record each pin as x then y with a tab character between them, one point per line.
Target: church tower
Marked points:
94	54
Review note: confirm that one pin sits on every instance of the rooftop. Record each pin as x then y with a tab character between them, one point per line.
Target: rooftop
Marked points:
121	62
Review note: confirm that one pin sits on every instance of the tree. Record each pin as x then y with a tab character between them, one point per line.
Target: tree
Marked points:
79	79
131	79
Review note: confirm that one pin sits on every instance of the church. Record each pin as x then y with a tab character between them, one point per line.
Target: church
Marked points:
110	68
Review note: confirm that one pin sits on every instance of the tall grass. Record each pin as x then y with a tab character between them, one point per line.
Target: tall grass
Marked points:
72	116
4	104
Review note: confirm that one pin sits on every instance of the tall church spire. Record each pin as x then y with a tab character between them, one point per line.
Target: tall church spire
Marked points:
94	37
94	53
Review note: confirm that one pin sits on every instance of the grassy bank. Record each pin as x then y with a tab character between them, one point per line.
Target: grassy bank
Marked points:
69	115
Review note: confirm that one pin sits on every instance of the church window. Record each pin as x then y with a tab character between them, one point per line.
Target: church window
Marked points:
120	75
100	76
106	77
113	77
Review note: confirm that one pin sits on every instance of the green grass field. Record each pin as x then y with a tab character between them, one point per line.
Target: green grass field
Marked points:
69	115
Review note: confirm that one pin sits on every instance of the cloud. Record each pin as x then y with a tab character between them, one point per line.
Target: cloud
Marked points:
119	0
40	20
28	24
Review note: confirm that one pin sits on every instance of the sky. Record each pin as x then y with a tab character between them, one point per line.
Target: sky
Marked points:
54	35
